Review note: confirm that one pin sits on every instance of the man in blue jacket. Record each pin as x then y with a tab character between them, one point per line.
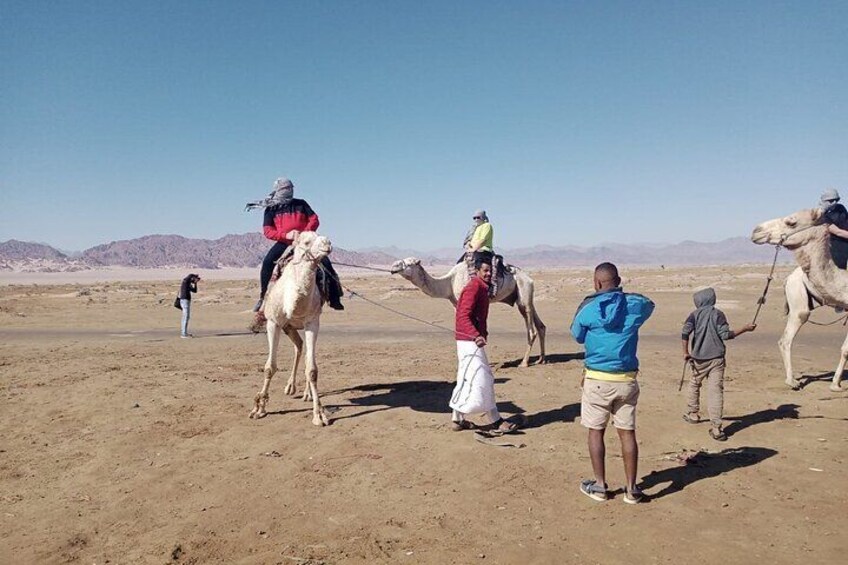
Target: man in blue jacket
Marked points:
608	323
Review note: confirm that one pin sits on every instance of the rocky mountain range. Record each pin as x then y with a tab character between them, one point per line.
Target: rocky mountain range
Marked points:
247	250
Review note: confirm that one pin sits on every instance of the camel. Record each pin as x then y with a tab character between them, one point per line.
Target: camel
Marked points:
294	303
516	288
816	282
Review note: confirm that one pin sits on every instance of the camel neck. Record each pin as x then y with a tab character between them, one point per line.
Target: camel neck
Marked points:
437	287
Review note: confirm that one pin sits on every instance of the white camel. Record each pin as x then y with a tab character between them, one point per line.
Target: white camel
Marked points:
515	289
816	282
294	303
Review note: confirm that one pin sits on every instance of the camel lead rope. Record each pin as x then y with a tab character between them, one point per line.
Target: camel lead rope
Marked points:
686	363
762	299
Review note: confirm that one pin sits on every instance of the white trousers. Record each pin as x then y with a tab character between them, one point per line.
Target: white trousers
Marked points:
474	392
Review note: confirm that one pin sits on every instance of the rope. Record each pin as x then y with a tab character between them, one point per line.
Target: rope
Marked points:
762	299
843	319
364	267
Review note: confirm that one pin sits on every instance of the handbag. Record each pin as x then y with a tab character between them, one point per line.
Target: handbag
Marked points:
177	304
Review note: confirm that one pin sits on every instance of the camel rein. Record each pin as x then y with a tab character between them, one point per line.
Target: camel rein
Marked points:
364	267
762	299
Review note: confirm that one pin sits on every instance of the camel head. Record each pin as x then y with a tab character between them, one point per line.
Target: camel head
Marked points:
310	246
404	268
792	231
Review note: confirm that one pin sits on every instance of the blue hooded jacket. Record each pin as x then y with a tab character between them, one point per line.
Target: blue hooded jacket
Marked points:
608	323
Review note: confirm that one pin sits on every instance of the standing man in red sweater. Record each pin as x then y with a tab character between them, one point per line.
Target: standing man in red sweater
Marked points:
475	384
285	217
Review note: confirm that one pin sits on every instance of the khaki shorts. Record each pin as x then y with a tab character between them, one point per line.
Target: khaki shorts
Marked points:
602	398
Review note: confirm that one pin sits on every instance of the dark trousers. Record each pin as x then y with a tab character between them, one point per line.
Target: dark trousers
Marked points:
270	260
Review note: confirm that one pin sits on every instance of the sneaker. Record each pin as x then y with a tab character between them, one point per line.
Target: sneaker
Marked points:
634	496
186	336
591	489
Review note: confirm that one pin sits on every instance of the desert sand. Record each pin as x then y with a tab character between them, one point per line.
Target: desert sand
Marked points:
121	443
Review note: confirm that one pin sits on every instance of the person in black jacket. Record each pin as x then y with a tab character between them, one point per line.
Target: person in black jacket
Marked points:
835	216
188	286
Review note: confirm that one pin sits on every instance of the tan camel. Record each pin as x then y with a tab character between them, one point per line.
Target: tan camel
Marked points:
816	282
294	303
516	288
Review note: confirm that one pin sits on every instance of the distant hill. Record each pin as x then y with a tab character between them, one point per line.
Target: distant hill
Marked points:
14	250
731	251
247	250
151	251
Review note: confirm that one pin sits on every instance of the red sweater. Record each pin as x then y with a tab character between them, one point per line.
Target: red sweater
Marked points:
283	218
472	309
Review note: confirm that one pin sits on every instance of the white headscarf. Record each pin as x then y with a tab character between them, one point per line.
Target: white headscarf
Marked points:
480	218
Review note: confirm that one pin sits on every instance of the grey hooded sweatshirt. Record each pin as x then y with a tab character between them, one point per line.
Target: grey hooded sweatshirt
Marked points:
708	327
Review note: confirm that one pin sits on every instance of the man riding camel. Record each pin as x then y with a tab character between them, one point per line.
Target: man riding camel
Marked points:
285	217
835	216
479	243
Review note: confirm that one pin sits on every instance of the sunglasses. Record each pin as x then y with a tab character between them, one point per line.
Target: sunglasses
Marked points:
476	217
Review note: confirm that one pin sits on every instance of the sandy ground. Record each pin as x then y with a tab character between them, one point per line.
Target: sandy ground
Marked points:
121	443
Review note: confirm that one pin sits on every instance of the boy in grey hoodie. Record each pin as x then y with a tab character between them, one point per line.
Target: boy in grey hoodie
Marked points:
708	328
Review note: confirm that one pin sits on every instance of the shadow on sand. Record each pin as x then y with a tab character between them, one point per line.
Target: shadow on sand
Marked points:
809	379
703	466
567	413
782	412
551	359
421	396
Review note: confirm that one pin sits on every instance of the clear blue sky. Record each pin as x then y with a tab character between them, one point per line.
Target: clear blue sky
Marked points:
570	122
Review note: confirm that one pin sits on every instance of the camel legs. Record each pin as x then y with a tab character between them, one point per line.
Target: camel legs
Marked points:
291	385
319	415
540	329
799	313
261	398
531	333
837	376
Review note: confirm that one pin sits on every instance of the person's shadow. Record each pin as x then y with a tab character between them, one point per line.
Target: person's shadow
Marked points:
421	396
703	466
782	412
567	413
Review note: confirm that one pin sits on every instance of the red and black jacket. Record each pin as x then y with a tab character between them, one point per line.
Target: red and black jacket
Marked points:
283	218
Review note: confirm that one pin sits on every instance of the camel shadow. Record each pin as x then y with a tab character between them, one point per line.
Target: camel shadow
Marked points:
551	359
805	380
567	413
782	412
703	466
421	396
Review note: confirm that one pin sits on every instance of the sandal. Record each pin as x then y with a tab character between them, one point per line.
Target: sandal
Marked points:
634	496
590	488
502	427
690	420
718	434
462	425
